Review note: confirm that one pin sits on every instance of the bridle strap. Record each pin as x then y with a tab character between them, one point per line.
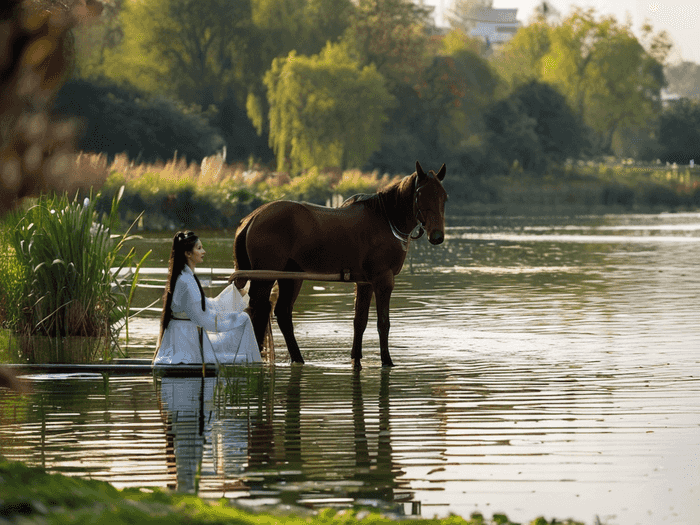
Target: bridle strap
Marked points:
405	238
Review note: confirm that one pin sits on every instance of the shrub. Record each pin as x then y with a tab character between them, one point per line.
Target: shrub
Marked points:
118	120
69	305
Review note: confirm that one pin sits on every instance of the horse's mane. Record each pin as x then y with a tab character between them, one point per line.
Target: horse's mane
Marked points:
394	196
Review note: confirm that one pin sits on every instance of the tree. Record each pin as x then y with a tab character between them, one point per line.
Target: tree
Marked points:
282	26
93	40
194	50
604	72
519	60
325	110
679	132
303	26
391	34
560	131
534	126
456	89
150	128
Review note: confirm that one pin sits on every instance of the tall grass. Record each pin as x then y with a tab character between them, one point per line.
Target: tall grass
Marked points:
57	267
214	194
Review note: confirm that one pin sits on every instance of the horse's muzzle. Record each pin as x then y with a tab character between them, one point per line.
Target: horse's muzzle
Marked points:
436	237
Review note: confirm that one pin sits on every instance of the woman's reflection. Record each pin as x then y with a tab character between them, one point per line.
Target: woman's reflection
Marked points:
203	442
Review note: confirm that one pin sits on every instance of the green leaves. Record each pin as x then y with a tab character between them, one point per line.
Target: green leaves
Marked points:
325	110
65	255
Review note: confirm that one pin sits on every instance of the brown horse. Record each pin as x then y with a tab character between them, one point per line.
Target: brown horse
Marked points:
366	238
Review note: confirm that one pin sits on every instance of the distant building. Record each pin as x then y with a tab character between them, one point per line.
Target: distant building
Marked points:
495	26
668	98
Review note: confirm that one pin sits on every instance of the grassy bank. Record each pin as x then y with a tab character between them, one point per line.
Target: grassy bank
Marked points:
30	495
214	194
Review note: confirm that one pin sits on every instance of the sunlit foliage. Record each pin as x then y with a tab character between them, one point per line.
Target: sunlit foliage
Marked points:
325	110
191	49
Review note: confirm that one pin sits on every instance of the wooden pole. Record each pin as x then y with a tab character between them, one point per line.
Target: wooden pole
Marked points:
274	275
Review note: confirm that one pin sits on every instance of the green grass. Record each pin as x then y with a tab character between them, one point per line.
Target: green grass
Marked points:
30	495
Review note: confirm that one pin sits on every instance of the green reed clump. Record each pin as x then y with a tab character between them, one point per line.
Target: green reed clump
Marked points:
69	304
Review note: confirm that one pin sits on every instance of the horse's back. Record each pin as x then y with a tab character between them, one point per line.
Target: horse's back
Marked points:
288	234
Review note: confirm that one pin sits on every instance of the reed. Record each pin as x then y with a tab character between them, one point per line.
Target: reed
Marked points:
70	307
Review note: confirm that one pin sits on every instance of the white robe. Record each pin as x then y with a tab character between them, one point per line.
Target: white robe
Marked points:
228	332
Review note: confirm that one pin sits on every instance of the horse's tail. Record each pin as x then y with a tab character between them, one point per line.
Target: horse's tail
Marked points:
241	260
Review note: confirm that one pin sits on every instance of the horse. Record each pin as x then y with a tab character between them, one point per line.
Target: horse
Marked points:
366	239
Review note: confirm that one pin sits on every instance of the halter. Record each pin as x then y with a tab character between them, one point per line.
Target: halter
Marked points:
406	238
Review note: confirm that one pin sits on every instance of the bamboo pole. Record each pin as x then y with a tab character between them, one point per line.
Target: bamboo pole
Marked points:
274	275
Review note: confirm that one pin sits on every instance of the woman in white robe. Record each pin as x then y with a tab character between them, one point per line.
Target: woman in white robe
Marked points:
195	328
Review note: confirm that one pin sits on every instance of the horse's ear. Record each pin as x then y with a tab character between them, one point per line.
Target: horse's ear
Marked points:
419	171
441	174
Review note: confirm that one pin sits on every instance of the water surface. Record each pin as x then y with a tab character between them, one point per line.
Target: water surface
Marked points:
546	366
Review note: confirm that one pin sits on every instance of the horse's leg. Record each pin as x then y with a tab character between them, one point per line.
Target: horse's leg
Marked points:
289	291
259	308
383	286
363	299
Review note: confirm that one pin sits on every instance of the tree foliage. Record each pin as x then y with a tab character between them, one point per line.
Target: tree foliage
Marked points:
679	132
391	35
191	49
604	72
406	92
325	110
119	120
519	61
534	126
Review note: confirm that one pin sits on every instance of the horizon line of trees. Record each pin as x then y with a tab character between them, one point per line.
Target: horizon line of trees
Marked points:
370	84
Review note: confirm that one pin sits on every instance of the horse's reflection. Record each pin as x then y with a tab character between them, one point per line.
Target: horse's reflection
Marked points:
369	446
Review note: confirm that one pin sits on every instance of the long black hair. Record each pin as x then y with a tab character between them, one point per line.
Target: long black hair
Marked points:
182	242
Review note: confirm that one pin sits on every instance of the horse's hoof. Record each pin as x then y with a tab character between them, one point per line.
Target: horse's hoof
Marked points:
388	364
356	364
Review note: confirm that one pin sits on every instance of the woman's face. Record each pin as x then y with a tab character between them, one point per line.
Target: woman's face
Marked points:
196	256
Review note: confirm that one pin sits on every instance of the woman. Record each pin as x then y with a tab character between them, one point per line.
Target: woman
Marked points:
196	329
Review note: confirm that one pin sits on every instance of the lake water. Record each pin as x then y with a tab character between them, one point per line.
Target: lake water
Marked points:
546	366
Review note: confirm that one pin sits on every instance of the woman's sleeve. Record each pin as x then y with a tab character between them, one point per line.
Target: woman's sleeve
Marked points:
187	296
228	300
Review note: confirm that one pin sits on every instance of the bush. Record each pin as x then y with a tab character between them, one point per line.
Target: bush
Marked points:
118	119
679	132
68	305
534	127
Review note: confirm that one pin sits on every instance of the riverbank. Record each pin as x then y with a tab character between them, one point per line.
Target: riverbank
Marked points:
30	495
216	195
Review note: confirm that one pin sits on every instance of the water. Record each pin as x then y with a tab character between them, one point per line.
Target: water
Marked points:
544	367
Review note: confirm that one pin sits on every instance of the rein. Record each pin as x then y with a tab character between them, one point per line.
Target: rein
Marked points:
406	238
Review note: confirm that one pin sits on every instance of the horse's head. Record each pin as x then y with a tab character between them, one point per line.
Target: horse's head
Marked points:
430	202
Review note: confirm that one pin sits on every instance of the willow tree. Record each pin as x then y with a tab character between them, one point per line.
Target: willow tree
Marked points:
325	110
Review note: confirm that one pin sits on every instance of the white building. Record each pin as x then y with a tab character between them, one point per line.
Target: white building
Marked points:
495	26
